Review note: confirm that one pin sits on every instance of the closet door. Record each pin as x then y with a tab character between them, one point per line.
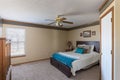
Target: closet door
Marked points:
106	46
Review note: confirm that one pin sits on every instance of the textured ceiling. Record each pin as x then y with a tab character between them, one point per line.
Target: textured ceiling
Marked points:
37	11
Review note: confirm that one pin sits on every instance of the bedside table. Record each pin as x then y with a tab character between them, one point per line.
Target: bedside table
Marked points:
68	50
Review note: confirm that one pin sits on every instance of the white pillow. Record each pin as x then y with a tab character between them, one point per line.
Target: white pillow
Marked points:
86	47
91	48
81	45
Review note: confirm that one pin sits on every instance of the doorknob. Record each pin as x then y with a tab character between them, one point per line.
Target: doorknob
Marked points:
111	51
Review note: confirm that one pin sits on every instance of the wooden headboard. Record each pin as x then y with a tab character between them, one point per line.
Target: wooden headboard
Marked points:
95	43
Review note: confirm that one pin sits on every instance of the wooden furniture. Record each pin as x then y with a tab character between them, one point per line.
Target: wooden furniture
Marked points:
65	69
4	59
68	50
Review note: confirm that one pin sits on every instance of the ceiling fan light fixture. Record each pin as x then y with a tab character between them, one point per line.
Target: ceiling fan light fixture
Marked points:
59	24
60	20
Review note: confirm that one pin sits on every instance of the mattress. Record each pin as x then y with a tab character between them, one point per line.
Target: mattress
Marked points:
82	60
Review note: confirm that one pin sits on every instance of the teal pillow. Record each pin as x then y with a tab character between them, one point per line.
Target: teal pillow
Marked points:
79	50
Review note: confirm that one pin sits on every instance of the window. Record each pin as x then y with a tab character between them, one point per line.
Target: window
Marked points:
17	37
0	31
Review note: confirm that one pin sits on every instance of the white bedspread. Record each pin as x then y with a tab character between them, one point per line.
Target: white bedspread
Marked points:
83	60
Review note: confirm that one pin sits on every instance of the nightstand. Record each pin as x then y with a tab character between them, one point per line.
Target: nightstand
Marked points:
68	50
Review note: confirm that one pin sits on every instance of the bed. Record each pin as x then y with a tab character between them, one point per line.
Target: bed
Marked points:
79	61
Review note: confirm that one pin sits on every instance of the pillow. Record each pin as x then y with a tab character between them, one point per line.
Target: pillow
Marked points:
86	48
79	50
91	48
80	45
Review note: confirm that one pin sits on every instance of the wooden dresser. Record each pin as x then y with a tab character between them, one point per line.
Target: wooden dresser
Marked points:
5	60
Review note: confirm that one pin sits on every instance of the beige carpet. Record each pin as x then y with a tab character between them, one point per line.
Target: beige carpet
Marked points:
43	70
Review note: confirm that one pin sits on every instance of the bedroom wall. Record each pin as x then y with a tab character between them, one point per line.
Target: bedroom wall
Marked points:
117	40
116	5
74	35
40	43
0	27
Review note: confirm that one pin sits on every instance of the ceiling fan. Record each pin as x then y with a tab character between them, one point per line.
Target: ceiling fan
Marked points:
59	21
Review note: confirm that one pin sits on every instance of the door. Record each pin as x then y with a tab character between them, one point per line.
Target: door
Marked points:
106	46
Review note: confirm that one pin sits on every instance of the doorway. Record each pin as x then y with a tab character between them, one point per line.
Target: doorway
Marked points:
107	45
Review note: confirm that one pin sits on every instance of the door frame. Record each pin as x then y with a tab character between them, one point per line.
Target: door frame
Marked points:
112	20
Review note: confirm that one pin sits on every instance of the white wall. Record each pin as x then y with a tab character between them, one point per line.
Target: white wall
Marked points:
116	5
40	43
0	27
117	40
0	31
74	35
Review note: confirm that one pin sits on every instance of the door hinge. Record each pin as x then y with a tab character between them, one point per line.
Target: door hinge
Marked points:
111	19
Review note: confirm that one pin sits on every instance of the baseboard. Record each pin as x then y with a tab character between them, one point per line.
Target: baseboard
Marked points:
30	61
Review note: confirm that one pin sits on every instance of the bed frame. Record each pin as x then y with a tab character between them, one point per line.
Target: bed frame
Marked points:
65	69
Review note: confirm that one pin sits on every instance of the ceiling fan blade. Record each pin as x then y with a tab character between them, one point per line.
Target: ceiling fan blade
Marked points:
67	22
52	23
49	20
63	18
60	19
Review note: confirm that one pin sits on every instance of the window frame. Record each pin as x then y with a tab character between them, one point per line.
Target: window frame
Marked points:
20	55
1	31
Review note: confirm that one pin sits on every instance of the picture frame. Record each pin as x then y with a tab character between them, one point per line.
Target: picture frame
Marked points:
93	33
87	33
81	34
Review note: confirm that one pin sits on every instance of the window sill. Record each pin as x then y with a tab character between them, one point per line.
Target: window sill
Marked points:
18	56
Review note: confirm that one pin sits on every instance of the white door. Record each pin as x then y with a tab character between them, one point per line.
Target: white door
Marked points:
106	47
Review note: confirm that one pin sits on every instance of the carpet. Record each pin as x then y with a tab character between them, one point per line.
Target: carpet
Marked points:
43	70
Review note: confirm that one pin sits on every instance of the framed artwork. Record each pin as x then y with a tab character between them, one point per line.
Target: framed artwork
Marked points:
93	33
81	34
87	33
